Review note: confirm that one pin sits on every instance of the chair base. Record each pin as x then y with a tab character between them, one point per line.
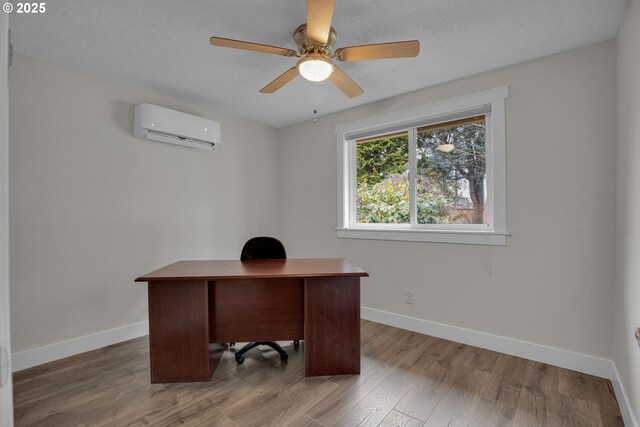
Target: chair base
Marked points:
274	345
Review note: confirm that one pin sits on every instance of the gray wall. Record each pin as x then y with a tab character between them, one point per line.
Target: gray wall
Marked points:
627	295
6	391
92	207
552	283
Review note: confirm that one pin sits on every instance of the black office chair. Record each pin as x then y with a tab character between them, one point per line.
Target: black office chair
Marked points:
263	248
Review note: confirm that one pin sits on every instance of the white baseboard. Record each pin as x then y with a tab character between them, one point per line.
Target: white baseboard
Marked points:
540	353
48	353
628	416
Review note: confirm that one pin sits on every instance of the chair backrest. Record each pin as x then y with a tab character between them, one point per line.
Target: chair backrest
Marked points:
263	248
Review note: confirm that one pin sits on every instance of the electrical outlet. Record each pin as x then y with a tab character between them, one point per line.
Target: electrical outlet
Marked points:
408	296
638	335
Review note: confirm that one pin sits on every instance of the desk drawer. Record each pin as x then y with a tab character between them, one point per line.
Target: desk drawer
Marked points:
256	310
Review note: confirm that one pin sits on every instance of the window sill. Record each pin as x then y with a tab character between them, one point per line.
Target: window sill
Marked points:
494	238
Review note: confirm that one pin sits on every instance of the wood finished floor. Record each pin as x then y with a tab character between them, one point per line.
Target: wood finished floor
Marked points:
407	379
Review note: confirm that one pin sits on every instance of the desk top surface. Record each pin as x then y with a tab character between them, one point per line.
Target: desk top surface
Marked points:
255	269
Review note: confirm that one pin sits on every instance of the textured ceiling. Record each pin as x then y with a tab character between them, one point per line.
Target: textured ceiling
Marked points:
163	45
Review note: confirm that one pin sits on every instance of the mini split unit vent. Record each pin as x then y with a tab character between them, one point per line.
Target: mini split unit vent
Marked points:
164	125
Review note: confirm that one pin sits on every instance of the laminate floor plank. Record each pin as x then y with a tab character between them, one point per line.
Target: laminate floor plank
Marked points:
491	414
542	379
460	399
498	403
398	419
351	389
206	400
304	421
579	385
608	406
458	356
572	412
495	389
409	350
407	379
377	404
531	410
205	411
511	369
85	398
484	360
86	376
385	345
439	348
424	395
276	408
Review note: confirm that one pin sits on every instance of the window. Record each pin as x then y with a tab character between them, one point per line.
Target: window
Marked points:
433	173
382	190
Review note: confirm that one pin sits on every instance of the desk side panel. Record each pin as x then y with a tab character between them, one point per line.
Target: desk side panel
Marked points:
179	331
332	326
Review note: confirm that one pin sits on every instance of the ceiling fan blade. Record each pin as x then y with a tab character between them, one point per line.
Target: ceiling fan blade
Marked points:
344	83
284	78
238	44
319	15
406	49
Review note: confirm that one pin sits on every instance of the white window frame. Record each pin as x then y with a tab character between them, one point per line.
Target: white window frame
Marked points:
493	233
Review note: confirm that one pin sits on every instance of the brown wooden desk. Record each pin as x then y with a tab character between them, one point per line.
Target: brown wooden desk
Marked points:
196	307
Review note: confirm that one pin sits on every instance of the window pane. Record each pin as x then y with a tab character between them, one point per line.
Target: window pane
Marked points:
451	172
382	171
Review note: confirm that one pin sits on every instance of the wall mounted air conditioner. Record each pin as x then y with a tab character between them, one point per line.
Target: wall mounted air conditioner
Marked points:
164	125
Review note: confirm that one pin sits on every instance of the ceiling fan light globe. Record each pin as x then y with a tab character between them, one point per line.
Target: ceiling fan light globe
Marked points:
315	68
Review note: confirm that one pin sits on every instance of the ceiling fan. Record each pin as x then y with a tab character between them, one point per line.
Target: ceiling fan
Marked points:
315	41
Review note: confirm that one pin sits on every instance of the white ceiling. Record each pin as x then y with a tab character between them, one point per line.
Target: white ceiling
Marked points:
163	45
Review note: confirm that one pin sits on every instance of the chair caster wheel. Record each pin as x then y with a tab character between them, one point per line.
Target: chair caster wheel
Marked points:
296	344
239	359
284	358
231	344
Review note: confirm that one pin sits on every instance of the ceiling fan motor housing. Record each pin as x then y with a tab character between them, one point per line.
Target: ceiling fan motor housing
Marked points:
305	46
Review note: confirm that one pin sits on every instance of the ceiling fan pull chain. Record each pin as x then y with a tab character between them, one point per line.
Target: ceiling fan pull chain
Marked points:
315	116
